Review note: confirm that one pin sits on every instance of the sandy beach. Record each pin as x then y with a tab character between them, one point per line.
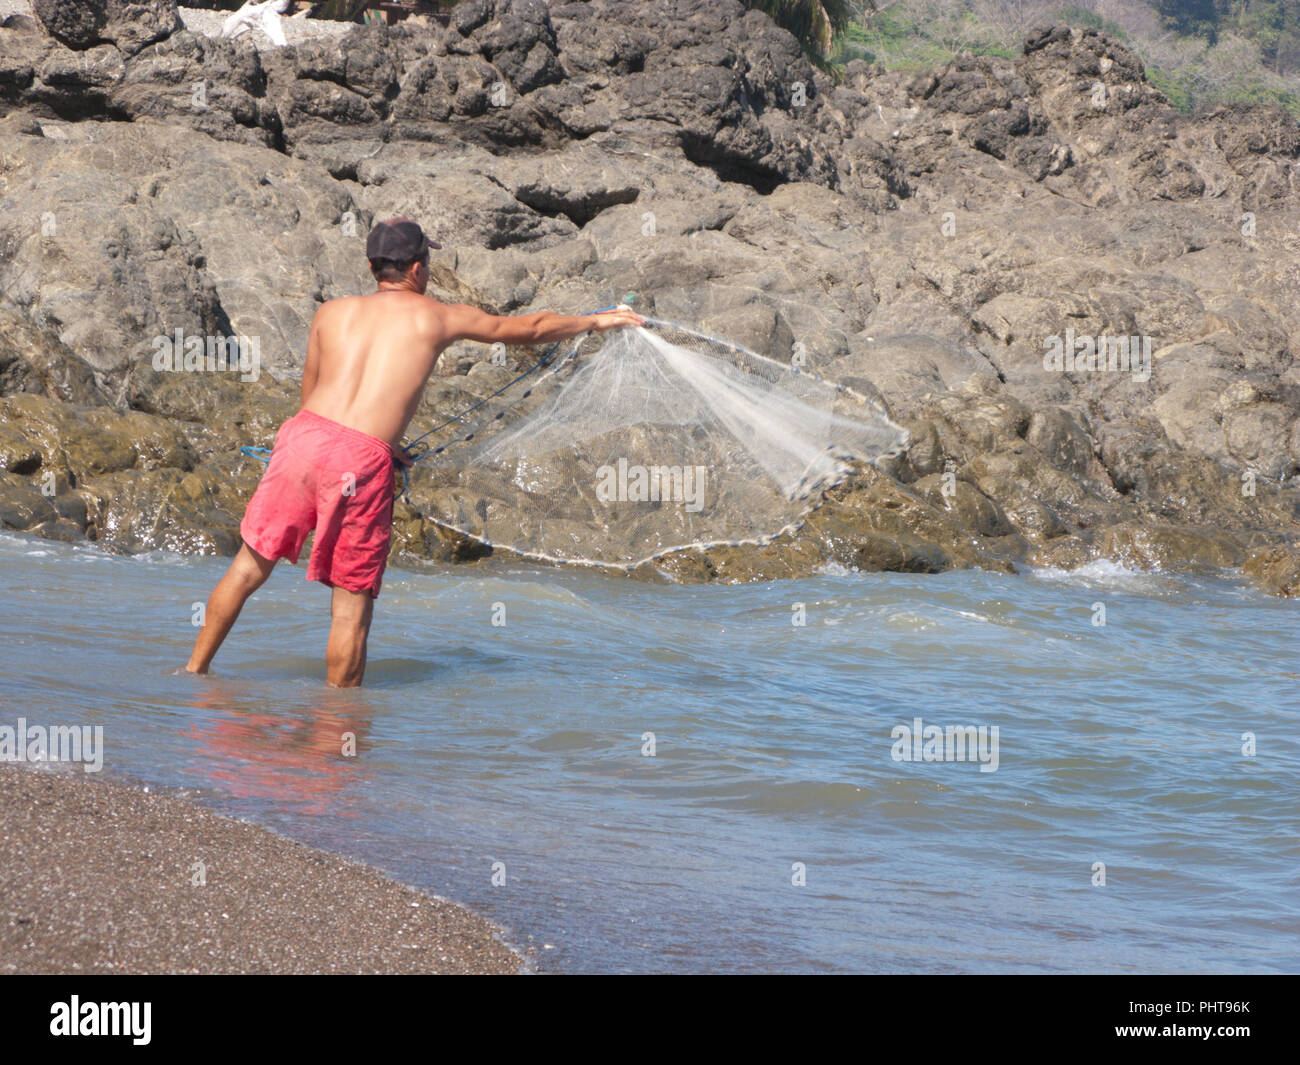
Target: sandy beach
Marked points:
98	876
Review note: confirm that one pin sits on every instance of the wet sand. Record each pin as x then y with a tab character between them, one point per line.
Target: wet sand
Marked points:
98	876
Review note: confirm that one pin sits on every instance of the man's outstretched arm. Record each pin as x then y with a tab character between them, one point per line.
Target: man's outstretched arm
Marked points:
469	323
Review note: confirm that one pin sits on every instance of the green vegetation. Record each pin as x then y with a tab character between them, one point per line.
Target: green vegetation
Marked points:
1193	17
921	34
816	24
903	38
1197	52
1077	15
1176	85
1272	25
1186	91
1250	53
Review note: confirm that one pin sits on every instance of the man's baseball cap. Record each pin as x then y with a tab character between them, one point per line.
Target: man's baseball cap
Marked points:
398	240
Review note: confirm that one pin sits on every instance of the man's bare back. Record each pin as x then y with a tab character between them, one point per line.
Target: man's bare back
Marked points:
368	357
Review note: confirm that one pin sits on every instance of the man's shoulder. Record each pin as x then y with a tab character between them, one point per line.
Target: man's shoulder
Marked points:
338	303
404	303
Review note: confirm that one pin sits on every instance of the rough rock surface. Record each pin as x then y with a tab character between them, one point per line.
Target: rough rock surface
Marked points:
128	24
924	237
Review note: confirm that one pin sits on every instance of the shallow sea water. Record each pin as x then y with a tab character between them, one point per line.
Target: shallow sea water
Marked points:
506	766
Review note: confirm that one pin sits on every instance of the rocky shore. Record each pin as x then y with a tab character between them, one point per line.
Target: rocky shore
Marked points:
100	877
946	241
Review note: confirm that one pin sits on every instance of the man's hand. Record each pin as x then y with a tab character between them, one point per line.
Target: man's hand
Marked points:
613	319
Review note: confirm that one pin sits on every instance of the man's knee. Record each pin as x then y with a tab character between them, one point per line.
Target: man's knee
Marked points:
352	610
250	568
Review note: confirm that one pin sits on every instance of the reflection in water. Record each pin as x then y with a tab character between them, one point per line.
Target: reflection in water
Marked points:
301	752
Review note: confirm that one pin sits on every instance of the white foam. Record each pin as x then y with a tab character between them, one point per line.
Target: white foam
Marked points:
1099	571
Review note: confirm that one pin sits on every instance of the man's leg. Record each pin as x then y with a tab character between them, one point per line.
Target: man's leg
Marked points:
247	573
345	655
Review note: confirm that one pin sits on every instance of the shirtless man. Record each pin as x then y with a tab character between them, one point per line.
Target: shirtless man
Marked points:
331	469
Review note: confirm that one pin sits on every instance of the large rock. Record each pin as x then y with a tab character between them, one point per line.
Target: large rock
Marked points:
113	239
1276	569
214	86
128	24
34	360
922	238
189	513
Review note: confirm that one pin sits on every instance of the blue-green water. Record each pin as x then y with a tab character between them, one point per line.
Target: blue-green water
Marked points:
523	743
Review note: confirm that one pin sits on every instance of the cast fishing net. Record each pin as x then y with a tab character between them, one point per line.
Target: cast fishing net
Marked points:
637	442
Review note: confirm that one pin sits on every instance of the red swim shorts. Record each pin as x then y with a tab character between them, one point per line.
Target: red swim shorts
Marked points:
337	481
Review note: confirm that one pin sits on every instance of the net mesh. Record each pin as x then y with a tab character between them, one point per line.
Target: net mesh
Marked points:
642	441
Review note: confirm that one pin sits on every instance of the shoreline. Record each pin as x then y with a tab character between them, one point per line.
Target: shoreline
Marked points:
103	876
